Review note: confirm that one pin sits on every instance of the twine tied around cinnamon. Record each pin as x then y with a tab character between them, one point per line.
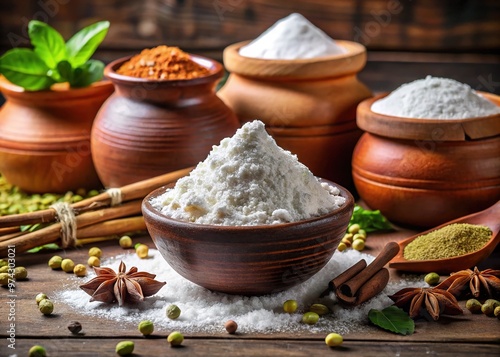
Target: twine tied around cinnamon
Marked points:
66	217
116	196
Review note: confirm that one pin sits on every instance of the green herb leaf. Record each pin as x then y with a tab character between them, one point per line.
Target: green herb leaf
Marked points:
83	44
50	246
47	42
65	70
370	221
24	68
88	73
393	319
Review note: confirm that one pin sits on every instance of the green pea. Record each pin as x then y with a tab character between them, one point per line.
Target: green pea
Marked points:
310	318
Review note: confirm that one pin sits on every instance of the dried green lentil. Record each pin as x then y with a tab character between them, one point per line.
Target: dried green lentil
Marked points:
449	241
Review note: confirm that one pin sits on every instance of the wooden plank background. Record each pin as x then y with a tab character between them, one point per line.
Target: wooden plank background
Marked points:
424	25
405	38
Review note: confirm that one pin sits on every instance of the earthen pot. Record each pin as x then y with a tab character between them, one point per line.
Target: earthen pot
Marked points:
248	260
45	136
425	172
308	105
151	127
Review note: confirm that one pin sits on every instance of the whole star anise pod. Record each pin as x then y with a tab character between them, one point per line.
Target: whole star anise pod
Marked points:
475	282
131	286
426	302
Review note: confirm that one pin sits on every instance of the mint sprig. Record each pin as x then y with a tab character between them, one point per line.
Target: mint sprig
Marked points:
370	221
54	61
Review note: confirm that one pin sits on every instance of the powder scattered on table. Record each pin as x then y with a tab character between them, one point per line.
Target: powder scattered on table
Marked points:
435	98
249	180
204	311
163	62
449	241
292	37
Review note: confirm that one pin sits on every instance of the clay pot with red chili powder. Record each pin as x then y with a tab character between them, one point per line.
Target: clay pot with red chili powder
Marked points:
167	121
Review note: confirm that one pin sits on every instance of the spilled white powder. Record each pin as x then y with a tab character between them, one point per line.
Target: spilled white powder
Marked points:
248	180
435	98
292	37
204	311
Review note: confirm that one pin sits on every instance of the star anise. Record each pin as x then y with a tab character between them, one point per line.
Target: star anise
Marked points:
426	302
131	286
475	282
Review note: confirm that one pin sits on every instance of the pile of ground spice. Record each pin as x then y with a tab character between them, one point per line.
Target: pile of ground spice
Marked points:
163	62
450	241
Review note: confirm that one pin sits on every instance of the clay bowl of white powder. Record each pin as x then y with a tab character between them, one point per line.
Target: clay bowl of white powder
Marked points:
248	260
250	219
436	158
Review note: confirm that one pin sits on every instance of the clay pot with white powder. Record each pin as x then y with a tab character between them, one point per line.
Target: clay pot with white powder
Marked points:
307	103
435	158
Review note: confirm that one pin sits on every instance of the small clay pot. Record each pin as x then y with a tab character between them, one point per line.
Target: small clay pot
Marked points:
425	172
308	105
151	127
45	136
248	260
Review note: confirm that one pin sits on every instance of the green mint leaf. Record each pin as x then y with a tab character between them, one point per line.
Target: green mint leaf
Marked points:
24	68
47	42
90	72
49	246
370	221
393	319
83	44
65	71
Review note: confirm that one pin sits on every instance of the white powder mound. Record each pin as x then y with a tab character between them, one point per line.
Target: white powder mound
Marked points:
292	37
248	180
204	311
435	98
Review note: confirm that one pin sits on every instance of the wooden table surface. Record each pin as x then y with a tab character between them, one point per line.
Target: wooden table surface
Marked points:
458	335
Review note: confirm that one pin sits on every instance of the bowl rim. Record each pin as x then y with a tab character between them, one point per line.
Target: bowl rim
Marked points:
148	207
432	129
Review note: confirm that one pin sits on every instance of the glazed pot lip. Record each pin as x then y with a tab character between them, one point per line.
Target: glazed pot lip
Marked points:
57	90
348	63
215	68
154	214
427	129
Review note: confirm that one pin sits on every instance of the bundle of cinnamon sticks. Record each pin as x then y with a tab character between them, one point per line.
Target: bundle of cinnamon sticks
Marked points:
360	282
95	217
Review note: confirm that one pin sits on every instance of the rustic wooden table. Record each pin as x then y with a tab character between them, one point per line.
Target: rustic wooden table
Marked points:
458	335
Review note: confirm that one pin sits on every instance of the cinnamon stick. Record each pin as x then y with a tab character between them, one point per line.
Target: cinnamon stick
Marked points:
351	287
372	287
136	190
345	276
116	226
51	233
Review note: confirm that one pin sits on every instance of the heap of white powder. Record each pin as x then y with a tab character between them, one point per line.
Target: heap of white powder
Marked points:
292	37
248	180
204	311
435	98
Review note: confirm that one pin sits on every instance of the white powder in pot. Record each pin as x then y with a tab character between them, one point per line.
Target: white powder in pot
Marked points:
248	180
292	37
435	98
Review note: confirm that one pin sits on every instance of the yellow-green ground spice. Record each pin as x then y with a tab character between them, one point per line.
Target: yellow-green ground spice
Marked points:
450	241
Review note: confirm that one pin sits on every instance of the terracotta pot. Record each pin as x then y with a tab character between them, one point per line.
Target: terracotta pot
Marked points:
248	260
45	136
151	127
308	106
425	172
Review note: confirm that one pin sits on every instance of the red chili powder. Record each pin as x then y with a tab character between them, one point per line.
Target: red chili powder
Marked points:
162	62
